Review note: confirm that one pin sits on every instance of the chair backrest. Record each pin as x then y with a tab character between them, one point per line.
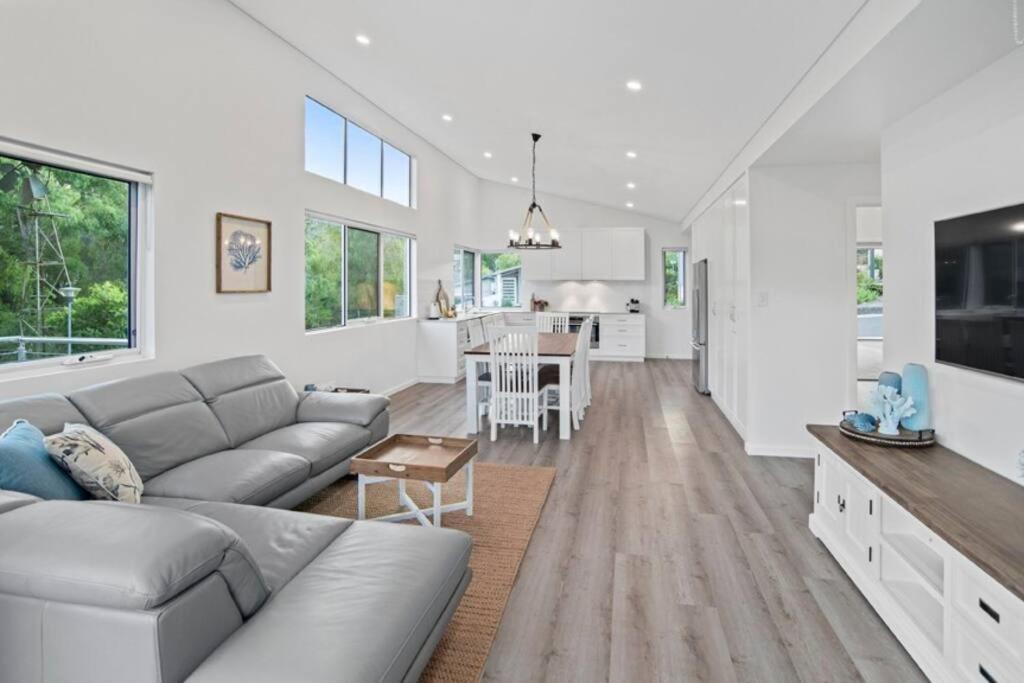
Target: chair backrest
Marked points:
557	323
514	377
580	359
497	331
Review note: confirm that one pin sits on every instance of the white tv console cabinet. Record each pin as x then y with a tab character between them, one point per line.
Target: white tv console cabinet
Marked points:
935	543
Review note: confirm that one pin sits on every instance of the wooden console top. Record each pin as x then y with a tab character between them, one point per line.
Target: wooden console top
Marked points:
976	511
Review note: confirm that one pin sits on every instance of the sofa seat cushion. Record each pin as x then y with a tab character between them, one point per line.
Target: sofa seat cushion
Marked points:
282	542
361	611
323	444
250	476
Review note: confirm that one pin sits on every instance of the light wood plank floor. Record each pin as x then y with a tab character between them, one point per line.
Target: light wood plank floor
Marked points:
664	552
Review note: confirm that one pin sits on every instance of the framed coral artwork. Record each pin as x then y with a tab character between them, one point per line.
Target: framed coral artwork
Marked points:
243	254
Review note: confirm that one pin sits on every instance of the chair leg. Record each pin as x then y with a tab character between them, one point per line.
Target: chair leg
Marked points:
536	431
494	429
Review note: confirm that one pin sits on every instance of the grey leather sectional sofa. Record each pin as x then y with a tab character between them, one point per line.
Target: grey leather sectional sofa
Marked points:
207	581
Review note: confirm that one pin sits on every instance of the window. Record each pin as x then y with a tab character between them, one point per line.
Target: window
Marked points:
364	159
67	241
395	288
501	275
354	273
325	142
338	149
673	269
324	289
362	260
463	279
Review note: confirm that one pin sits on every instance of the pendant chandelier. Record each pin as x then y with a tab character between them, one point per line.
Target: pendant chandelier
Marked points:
526	238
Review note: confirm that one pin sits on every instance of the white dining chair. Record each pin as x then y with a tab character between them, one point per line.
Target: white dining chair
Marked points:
516	396
478	336
557	323
551	398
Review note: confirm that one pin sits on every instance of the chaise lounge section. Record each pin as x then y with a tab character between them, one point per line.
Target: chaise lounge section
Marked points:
208	580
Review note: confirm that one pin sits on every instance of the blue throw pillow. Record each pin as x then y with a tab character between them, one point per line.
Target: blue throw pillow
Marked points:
25	466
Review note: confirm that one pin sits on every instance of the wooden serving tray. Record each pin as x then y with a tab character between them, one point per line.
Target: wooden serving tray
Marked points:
905	439
411	456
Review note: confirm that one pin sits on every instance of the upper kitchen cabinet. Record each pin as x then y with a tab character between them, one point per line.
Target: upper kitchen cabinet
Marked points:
629	254
591	254
597	254
566	263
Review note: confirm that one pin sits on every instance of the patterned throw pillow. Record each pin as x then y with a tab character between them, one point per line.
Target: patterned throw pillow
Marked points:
96	463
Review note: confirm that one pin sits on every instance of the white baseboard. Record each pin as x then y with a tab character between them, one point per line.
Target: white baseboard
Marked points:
779	451
669	356
400	387
429	379
617	359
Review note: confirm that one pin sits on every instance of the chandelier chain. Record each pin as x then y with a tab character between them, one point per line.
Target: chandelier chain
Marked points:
533	170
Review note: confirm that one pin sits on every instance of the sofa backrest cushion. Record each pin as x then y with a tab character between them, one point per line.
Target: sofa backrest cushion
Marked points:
249	394
48	412
158	420
131	557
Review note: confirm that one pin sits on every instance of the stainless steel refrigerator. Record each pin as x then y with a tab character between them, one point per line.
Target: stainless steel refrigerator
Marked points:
700	326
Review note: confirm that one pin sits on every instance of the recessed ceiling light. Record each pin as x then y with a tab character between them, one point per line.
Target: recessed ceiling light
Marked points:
514	179
629	205
1018	227
740	202
631	154
631	186
635	85
363	39
447	118
487	155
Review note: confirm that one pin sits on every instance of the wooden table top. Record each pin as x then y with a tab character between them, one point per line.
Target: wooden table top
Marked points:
976	511
547	345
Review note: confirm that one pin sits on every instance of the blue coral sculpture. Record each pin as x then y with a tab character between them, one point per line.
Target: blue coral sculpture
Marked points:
890	407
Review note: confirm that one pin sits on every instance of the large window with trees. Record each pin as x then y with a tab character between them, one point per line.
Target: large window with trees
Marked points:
66	261
343	151
673	269
501	279
355	273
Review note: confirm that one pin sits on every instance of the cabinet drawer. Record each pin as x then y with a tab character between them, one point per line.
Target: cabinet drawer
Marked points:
990	608
976	659
622	332
626	320
623	346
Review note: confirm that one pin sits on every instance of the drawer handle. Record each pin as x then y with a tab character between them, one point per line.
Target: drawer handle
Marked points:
396	468
437	441
987	609
986	675
622	346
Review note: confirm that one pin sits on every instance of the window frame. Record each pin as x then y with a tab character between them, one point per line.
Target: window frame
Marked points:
141	300
683	255
379	319
474	282
411	181
480	275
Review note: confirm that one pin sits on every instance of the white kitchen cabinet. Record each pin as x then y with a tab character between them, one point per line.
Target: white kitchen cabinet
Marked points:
623	337
597	254
440	346
536	264
629	254
566	263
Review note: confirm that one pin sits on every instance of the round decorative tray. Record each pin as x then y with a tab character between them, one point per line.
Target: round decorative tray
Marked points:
905	439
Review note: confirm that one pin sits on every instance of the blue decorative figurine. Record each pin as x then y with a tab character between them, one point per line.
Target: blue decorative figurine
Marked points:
915	385
863	422
890	408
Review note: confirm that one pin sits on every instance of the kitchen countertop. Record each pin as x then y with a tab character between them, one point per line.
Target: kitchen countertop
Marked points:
484	314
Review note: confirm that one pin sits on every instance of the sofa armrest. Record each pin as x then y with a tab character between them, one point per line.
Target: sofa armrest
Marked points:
359	409
122	556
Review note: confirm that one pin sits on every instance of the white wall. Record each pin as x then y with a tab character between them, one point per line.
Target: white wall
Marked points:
959	154
668	330
802	319
212	104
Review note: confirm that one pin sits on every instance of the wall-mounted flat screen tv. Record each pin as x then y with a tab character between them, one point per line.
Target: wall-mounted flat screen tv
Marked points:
979	291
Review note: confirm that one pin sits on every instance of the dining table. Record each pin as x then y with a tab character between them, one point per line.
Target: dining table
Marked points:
552	349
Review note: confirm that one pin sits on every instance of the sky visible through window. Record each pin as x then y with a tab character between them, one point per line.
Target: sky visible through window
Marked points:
325	142
364	159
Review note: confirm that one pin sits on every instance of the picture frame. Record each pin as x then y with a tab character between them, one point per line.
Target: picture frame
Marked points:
243	254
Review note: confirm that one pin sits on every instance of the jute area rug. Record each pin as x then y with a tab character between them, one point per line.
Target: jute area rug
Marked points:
507	503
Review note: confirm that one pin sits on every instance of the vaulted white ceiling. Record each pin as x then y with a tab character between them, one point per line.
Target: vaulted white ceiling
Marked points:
712	72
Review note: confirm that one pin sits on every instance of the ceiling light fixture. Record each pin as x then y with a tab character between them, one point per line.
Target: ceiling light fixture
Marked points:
514	179
631	186
629	205
532	241
487	155
363	39
631	154
447	118
634	85
740	202
1018	227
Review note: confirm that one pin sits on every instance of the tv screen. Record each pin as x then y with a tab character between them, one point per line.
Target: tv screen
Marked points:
979	291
